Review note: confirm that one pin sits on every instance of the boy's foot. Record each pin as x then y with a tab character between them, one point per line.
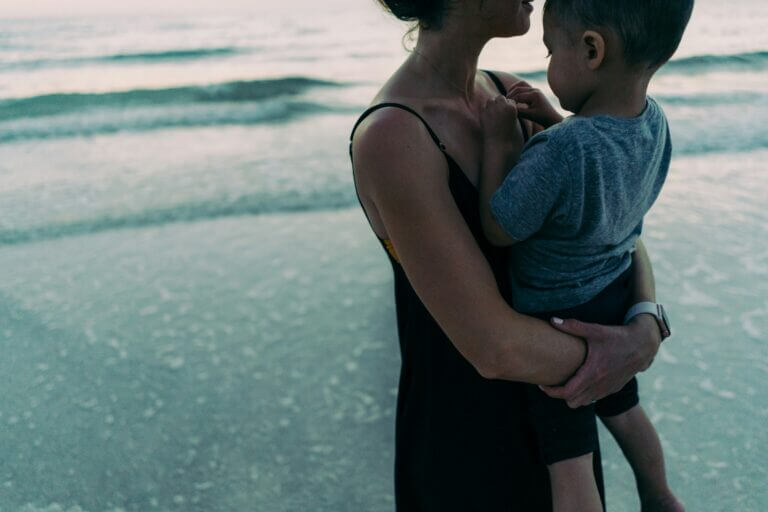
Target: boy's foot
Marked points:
667	503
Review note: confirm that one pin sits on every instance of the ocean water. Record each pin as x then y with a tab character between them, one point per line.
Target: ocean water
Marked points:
195	316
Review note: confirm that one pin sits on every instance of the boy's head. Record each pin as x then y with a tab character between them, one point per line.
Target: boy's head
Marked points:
629	36
648	30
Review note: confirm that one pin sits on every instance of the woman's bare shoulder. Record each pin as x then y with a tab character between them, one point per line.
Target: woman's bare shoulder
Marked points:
390	143
508	79
386	124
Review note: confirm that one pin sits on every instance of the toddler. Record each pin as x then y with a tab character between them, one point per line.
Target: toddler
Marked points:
571	205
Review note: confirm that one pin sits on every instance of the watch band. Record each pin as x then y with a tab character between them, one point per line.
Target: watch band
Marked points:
651	308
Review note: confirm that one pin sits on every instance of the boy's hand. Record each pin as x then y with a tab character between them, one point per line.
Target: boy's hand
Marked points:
501	129
533	105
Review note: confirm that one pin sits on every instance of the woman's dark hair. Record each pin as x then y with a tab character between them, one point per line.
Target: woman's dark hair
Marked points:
428	13
650	30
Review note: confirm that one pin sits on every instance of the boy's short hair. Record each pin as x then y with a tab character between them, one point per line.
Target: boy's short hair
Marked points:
650	30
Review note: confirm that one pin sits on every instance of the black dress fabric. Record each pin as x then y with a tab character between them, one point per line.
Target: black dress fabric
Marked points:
462	443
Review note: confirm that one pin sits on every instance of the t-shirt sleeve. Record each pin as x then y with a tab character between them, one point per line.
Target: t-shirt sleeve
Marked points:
532	190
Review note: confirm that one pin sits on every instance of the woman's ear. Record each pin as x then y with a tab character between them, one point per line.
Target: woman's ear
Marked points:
594	44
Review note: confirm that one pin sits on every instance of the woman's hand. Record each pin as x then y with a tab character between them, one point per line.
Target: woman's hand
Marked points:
615	354
533	105
502	135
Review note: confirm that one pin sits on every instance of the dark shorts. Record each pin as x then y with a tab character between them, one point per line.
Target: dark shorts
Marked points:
564	433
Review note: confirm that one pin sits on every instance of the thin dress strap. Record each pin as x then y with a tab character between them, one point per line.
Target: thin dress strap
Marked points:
402	107
497	81
387	243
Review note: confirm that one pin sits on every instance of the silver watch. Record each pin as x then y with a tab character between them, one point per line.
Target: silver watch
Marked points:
654	309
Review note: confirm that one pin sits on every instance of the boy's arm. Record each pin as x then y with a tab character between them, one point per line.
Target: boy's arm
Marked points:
644	283
493	171
649	334
502	146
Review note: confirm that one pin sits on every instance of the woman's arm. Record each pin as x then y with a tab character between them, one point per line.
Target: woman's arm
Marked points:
401	173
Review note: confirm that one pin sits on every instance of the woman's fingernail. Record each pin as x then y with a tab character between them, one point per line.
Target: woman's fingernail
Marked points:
557	321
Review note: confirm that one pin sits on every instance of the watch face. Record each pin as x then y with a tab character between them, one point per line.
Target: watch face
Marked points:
665	319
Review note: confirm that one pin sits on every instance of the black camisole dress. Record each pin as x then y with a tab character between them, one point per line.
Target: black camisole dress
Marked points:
463	443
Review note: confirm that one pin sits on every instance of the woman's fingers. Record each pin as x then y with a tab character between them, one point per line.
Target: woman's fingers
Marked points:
611	361
576	392
575	395
580	389
585	398
574	389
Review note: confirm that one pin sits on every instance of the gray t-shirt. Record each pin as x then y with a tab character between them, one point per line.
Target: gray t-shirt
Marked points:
576	201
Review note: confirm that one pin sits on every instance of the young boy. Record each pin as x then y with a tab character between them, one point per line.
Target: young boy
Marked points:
573	204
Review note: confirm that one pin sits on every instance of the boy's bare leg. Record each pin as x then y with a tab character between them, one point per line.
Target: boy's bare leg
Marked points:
573	486
637	438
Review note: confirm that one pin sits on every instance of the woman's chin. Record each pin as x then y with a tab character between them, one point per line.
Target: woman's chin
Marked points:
518	30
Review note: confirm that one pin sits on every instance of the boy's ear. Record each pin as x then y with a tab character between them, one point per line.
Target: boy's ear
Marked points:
594	45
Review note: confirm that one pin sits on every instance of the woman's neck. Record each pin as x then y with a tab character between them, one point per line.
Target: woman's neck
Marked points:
449	60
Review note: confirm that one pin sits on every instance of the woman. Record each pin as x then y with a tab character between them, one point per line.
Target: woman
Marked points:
462	441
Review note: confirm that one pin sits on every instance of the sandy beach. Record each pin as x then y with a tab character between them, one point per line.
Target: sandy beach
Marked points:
253	360
194	315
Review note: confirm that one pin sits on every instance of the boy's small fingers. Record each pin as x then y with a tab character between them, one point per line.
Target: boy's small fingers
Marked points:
527	96
514	91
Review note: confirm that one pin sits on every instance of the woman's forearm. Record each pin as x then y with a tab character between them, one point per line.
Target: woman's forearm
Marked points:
527	349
